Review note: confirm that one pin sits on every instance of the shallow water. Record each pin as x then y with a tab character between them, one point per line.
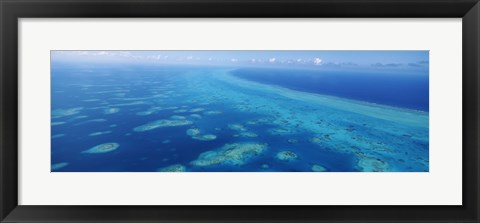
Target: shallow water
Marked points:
240	125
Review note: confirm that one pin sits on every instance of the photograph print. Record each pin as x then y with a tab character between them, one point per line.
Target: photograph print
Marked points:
240	111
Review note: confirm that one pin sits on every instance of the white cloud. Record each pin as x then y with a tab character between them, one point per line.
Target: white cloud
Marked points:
234	60
317	61
123	53
272	60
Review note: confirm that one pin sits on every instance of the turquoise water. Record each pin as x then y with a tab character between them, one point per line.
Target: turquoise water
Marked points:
144	118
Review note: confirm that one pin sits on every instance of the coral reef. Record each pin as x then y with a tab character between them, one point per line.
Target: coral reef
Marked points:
103	148
286	155
232	154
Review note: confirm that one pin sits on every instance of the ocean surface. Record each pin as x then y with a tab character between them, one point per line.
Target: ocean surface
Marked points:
394	89
147	118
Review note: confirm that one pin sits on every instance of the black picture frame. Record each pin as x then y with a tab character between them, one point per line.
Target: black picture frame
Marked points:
12	10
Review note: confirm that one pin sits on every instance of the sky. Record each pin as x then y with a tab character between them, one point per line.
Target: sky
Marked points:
314	59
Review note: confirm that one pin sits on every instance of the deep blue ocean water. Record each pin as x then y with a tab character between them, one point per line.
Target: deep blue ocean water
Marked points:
253	123
394	89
